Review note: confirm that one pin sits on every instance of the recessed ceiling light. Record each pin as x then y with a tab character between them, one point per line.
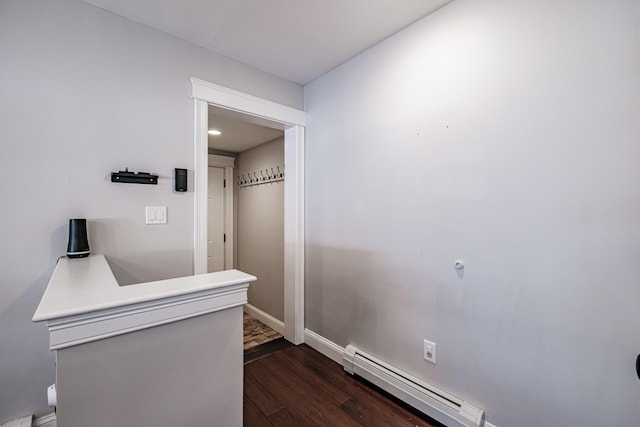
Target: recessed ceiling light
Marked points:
214	132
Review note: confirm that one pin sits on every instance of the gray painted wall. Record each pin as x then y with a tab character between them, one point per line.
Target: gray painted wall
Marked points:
84	92
186	373
504	133
260	231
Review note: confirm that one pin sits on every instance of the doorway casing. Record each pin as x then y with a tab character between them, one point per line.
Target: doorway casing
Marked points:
203	94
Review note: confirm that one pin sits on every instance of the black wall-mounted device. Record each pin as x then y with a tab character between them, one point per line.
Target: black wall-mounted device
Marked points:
134	177
78	246
638	366
181	180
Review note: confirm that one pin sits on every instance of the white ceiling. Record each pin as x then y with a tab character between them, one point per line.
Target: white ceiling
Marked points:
298	40
240	131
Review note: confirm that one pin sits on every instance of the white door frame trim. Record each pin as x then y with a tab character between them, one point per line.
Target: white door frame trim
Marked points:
204	93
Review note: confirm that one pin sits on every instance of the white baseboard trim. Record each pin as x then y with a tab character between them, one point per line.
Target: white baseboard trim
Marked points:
19	422
47	420
486	424
267	319
320	344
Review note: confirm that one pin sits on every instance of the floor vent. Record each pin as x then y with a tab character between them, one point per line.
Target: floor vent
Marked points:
438	404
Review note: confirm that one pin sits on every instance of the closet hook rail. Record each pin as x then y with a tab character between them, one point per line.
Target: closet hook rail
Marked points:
266	176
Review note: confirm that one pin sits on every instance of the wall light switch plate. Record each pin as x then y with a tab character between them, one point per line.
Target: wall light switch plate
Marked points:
156	215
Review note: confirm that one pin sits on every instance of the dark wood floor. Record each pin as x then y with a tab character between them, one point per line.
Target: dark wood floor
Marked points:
297	386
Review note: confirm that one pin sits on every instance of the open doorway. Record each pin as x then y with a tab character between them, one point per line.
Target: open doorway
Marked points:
292	123
245	214
234	136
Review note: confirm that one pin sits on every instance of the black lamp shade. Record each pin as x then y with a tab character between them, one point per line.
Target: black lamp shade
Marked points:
78	246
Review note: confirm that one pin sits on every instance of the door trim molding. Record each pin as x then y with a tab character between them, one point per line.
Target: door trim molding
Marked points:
204	93
200	184
239	101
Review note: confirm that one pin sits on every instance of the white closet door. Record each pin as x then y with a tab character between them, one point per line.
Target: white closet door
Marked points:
215	225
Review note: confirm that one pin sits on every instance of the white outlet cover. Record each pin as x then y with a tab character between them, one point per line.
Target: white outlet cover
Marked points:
430	351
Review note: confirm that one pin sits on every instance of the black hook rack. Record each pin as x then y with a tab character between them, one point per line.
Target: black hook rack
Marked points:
265	177
134	177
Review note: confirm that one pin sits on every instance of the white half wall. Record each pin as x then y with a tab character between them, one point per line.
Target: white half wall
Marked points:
504	133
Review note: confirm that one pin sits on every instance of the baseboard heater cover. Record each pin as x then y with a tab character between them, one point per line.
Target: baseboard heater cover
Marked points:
438	404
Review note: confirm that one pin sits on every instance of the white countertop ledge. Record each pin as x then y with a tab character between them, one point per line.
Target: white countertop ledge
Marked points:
83	301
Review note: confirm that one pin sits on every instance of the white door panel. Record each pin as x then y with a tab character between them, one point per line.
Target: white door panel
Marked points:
215	225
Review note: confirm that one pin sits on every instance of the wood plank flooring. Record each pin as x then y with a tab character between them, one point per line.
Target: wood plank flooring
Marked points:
297	386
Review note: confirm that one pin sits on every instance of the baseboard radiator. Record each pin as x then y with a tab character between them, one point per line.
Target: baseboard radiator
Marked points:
438	404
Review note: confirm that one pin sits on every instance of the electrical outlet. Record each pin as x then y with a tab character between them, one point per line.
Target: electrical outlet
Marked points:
430	351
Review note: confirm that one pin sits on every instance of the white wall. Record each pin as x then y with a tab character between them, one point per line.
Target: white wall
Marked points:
83	93
260	232
504	133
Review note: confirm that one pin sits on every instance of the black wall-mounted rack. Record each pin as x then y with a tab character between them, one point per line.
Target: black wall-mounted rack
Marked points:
134	177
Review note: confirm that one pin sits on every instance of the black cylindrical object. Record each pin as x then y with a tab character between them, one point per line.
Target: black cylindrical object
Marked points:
78	246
